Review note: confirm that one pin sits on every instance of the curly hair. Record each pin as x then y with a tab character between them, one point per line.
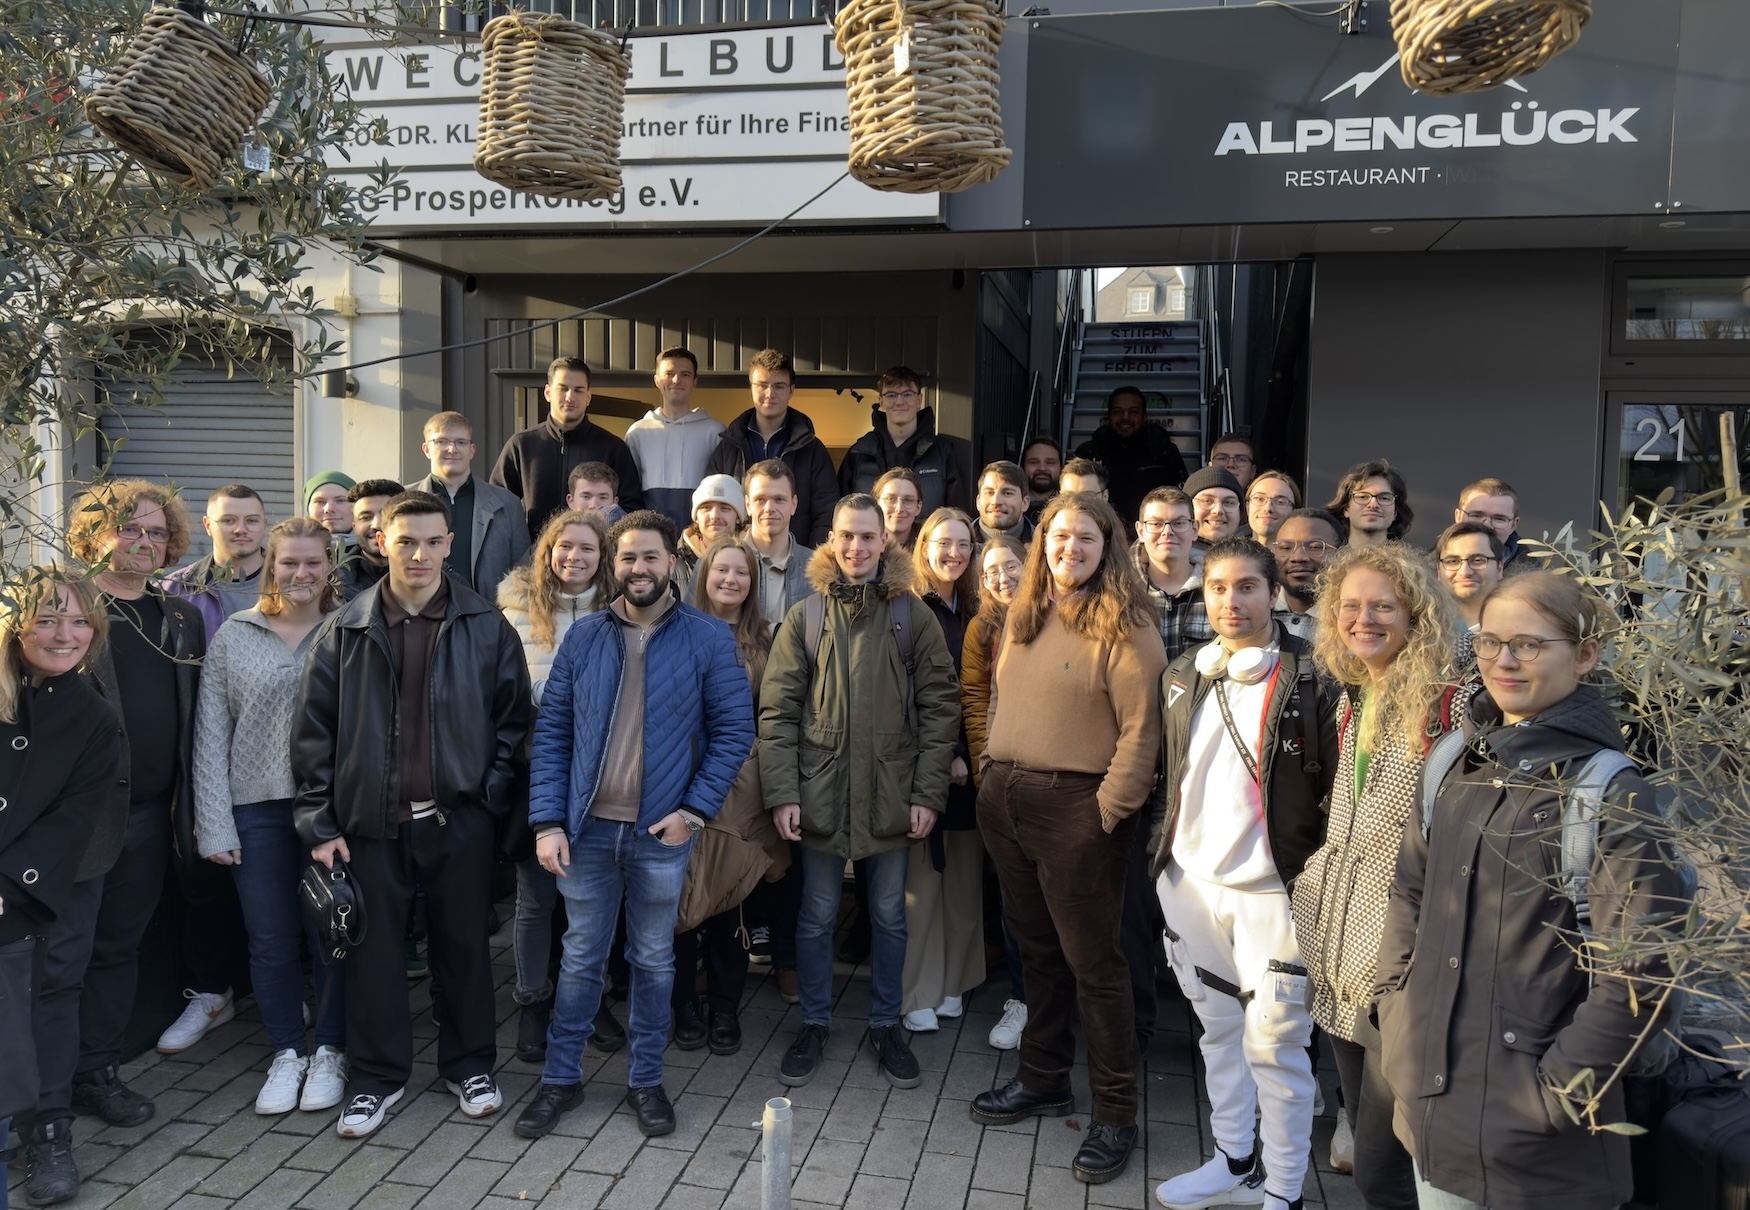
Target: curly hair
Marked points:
1410	689
296	527
102	507
542	585
966	587
753	634
1108	607
1402	517
22	597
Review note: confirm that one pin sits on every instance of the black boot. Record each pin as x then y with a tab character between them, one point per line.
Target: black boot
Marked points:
50	1176
1104	1152
531	1031
102	1094
689	1027
609	1034
1015	1101
725	1032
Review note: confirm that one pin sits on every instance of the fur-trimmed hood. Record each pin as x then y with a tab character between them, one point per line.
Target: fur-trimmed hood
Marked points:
893	580
516	588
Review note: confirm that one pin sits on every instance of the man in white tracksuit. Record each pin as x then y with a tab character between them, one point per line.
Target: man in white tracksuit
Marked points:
1250	749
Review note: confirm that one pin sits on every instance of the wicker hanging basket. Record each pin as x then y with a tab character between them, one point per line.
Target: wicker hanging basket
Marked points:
1454	46
180	99
552	102
921	79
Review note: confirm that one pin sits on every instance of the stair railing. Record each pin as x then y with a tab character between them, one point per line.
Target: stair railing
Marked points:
1067	369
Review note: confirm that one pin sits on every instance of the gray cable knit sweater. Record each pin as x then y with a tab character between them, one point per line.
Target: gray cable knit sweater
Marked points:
243	725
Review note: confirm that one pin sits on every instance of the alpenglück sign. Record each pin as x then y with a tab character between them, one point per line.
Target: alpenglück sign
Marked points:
1258	114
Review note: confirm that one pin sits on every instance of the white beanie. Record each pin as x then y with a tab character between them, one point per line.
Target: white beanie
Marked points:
723	489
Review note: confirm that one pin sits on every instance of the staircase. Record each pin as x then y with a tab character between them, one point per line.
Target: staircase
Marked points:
1165	359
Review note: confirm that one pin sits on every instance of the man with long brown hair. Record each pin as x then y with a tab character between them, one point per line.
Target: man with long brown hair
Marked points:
1070	766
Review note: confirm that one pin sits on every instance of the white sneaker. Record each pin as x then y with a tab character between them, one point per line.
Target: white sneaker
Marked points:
364	1113
478	1094
1343	1145
951	1007
1214	1184
1006	1034
325	1083
279	1092
923	1021
205	1011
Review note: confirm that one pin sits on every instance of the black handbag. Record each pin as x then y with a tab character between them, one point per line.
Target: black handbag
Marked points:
18	1089
334	908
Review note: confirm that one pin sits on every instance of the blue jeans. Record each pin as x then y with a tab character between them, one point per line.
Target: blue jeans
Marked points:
611	861
823	877
536	892
1430	1198
267	885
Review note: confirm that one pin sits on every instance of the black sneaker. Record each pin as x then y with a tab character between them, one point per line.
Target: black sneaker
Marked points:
689	1027
102	1094
759	945
897	1062
654	1110
609	1034
50	1175
802	1060
543	1113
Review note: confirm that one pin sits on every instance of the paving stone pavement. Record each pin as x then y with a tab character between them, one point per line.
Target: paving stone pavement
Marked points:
857	1143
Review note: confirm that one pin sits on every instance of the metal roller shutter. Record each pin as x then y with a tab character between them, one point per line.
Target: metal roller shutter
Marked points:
210	429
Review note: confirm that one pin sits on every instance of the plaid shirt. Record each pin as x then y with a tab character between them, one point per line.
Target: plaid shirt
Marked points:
1183	616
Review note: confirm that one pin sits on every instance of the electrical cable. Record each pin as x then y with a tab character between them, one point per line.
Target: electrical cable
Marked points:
612	302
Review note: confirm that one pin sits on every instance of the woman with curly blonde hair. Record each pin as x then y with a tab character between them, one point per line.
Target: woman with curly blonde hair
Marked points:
1388	638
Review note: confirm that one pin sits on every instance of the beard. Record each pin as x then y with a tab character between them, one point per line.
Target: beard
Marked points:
644	593
1042	484
1309	593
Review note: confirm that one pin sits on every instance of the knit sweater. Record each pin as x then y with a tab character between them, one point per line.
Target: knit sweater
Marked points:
1082	706
243	725
513	599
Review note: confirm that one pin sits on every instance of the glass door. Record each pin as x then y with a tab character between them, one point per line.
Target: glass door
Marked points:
1672	439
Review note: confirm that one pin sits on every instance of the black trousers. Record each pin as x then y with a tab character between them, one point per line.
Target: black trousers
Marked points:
777	905
130	895
1140	933
1384	1175
719	941
215	945
452	862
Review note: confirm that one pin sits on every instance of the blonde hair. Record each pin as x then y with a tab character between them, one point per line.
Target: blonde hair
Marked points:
1562	601
443	420
1411	688
270	604
966	587
541	586
22	597
753	635
104	507
1108	607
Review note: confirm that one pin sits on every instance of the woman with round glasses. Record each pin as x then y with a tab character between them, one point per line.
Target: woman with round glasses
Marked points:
944	879
1488	1015
1386	636
900	493
1001	562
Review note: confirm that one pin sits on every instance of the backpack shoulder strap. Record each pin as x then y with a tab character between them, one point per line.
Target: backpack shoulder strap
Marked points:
813	626
1581	810
1441	759
903	634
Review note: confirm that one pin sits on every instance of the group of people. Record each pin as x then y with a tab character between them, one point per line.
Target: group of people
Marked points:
1092	715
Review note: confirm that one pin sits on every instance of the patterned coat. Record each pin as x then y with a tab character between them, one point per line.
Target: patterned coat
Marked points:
1340	898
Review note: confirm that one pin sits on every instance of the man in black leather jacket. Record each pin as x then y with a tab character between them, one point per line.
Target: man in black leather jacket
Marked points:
408	747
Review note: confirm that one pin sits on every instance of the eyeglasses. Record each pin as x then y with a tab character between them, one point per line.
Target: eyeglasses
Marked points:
949	546
133	533
1525	647
1488	518
1474	562
1272	501
1178	525
1373	497
1313	546
996	575
897	396
453	443
1231	459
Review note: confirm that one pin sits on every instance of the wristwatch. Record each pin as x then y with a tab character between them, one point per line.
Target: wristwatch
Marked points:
693	822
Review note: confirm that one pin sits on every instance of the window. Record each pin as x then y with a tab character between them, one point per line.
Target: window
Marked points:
1688	308
1141	301
1176	301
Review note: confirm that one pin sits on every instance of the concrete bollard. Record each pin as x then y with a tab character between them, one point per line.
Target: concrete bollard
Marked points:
775	1155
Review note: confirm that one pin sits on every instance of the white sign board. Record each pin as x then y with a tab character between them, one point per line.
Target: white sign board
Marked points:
731	127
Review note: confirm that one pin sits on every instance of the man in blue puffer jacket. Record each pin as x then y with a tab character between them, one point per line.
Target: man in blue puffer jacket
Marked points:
646	720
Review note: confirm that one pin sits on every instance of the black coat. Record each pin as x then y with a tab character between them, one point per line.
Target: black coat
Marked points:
940	462
817	484
188	645
58	767
1298	762
345	757
1481	1002
961	812
1135	466
535	464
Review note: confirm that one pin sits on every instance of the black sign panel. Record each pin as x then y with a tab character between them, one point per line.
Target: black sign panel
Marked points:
1262	114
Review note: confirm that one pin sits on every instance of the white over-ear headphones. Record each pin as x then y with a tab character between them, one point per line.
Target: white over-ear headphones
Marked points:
1248	665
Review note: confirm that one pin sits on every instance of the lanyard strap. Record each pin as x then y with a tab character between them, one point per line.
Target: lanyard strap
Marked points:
1233	731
